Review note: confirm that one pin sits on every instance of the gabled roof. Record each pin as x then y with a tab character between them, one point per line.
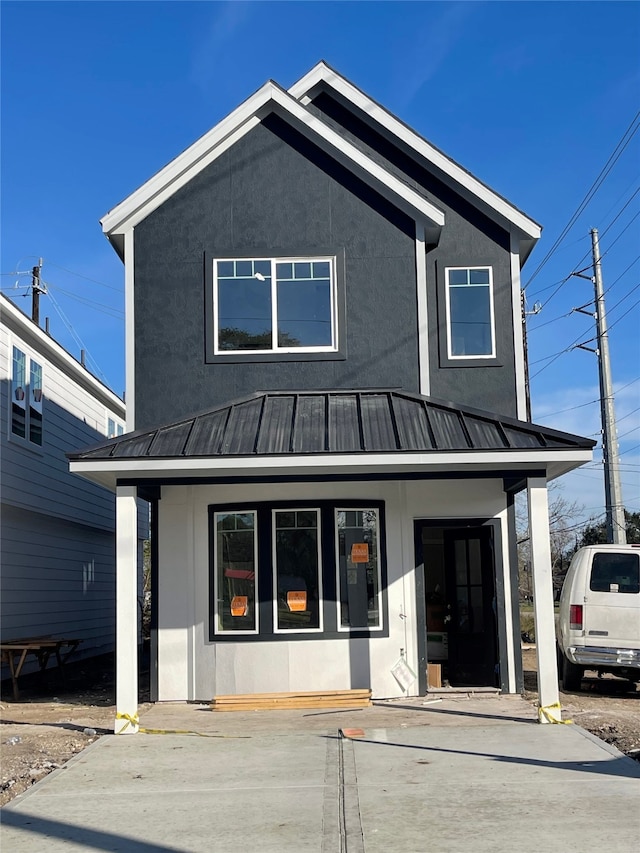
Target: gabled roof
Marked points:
293	107
303	422
268	99
324	78
20	324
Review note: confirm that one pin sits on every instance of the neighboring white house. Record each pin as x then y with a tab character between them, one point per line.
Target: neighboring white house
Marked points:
57	536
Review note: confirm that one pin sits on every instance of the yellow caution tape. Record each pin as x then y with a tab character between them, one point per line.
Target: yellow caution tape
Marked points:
545	712
134	720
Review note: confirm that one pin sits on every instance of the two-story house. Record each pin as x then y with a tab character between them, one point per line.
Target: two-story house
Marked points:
57	542
327	407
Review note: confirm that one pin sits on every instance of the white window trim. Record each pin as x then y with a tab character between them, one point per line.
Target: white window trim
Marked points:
276	350
27	402
118	426
487	356
350	628
217	630
276	629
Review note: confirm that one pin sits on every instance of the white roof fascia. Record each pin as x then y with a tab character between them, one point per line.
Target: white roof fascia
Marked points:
164	183
321	73
495	464
54	353
417	203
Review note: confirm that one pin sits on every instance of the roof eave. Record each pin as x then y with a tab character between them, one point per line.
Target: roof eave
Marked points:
499	208
556	462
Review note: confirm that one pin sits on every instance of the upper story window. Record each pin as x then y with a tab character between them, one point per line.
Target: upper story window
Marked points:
26	398
275	305
470	316
114	428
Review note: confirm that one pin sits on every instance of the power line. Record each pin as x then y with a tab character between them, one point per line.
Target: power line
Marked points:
617	152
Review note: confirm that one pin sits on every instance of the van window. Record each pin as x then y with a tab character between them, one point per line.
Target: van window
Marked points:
615	573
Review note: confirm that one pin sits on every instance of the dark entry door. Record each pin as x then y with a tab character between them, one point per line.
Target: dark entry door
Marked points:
470	585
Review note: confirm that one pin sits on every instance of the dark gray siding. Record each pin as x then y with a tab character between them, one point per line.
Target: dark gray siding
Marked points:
272	193
469	238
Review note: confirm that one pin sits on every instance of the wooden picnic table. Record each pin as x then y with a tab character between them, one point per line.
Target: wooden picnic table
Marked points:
15	652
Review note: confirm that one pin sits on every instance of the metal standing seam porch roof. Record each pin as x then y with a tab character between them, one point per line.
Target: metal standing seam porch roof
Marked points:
286	423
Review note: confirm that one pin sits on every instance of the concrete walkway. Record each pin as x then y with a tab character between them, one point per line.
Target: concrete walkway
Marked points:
462	773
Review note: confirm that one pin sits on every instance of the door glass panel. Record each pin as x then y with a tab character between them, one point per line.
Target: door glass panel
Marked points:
476	610
461	561
475	565
464	620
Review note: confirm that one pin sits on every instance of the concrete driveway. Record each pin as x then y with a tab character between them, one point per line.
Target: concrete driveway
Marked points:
463	773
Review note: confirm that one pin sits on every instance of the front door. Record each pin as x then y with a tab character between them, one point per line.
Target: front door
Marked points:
471	606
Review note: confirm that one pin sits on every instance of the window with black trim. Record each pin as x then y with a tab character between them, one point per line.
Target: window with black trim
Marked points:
309	569
470	313
235	572
615	573
274	305
296	565
358	568
26	398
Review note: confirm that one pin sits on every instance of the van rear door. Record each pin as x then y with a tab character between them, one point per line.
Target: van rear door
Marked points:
612	600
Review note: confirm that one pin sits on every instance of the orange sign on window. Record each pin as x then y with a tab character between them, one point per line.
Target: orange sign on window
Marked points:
297	601
360	552
239	605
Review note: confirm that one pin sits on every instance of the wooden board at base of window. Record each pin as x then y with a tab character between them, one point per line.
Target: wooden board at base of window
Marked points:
311	699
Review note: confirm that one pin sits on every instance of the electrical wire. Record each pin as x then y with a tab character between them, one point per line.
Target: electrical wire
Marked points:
77	338
617	152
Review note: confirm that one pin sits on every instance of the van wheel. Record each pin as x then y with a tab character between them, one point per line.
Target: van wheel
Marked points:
571	675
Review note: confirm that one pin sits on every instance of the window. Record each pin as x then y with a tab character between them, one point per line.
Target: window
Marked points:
615	573
358	568
274	305
312	569
113	428
26	398
297	570
470	320
235	572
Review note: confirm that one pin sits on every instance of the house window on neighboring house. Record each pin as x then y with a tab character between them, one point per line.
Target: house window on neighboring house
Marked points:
113	428
297	562
275	305
470	315
235	564
26	398
359	581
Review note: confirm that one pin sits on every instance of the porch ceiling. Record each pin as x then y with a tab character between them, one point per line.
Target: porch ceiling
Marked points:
349	432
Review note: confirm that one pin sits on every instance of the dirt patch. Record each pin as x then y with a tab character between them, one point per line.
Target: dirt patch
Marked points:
608	707
53	721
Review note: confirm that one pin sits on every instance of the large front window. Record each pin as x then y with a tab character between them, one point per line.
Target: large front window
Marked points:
235	572
268	305
302	570
358	568
470	324
297	570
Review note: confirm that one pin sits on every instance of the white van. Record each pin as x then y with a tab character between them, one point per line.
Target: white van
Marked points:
598	627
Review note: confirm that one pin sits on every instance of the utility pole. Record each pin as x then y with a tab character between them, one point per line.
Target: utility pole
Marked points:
615	520
36	290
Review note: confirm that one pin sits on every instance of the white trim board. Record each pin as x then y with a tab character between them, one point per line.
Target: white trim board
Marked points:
322	75
494	464
269	98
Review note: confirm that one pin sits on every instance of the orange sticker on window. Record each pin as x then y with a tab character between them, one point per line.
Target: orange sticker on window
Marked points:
239	605
360	552
297	601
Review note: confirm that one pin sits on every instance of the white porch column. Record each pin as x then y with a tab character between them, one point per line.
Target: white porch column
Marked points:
548	693
126	611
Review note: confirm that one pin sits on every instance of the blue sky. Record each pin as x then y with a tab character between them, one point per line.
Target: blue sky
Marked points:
533	98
